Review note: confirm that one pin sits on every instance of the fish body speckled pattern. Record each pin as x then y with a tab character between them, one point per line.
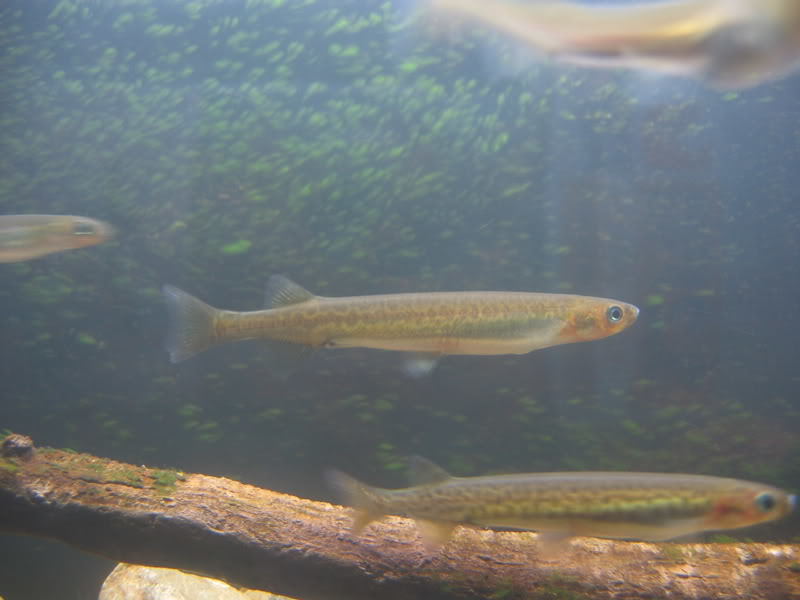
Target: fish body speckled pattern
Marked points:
643	506
427	324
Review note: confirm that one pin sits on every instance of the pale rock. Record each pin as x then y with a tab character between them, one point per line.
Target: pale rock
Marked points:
135	582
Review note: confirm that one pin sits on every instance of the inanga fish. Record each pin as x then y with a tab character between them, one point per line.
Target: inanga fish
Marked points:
644	506
428	325
728	43
23	237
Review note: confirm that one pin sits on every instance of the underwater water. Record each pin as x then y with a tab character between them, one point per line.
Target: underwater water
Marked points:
334	143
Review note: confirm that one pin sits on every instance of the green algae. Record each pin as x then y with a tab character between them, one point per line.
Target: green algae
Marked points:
9	465
87	339
721	538
504	592
165	482
560	587
125	476
101	472
673	553
239	247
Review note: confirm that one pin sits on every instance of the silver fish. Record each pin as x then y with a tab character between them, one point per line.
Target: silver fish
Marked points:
25	237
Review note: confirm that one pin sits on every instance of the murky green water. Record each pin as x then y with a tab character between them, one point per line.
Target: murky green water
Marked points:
228	141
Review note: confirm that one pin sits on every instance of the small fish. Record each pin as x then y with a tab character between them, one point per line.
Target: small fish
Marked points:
429	325
643	506
731	44
24	237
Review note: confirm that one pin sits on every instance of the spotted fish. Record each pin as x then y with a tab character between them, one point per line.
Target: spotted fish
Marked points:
427	325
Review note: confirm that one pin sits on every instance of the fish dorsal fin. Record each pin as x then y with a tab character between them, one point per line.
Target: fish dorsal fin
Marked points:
422	471
282	291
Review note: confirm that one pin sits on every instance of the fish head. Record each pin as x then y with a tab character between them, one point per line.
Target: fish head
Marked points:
596	318
749	505
79	232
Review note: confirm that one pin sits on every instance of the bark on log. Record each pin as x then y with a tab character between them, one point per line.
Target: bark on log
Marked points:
266	540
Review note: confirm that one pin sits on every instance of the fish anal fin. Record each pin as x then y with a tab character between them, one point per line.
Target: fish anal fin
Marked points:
361	518
435	533
282	291
422	471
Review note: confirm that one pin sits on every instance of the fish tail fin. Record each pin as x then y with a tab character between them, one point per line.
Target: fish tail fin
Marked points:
191	324
362	497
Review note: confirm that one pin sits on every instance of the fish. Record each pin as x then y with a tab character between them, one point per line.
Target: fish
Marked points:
25	237
425	325
617	505
729	44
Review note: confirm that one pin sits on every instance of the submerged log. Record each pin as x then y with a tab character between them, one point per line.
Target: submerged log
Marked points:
262	539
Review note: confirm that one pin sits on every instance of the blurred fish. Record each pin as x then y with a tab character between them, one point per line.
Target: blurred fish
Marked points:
730	44
644	506
429	325
23	237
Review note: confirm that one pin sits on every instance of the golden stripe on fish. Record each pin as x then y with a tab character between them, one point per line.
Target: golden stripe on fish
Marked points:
427	324
647	506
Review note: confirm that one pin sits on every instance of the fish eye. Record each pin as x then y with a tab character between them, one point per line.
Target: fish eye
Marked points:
765	502
83	228
614	313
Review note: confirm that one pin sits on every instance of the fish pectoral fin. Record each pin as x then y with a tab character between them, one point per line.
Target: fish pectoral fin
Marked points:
435	533
421	364
282	291
422	471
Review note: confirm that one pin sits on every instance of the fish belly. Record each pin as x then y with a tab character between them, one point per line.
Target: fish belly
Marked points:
454	345
650	532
